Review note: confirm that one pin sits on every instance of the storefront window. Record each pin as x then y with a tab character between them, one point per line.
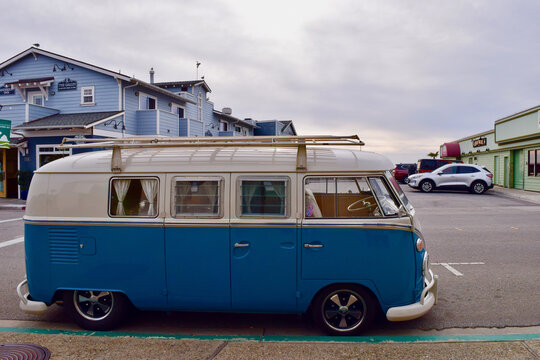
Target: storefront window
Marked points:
534	163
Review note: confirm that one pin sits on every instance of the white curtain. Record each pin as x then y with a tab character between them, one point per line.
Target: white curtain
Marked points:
279	189
250	189
150	191
121	187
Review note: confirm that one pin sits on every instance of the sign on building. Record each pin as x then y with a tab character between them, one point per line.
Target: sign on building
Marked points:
67	84
5	130
6	90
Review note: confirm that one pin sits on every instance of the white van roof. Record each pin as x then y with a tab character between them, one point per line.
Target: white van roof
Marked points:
220	159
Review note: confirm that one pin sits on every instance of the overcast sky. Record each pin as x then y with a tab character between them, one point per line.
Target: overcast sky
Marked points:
405	76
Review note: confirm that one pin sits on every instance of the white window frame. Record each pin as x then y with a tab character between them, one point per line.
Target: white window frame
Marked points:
34	94
221	187
141	95
55	151
288	192
93	102
175	107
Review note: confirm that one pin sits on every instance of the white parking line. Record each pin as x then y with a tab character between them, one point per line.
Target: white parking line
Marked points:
448	266
8	220
12	242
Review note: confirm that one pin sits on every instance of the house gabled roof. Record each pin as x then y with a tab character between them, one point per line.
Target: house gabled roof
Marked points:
235	120
177	84
37	51
69	121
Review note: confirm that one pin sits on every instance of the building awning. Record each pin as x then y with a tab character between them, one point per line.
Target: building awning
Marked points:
70	121
42	83
450	150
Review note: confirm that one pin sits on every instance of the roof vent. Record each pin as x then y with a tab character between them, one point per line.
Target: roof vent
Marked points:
152	72
227	111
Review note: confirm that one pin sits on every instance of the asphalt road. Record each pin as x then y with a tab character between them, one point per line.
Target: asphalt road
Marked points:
485	249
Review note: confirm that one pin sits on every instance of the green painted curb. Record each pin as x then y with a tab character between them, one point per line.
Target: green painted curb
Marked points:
276	338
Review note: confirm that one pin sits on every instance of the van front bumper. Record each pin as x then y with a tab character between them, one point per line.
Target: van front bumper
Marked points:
416	310
26	305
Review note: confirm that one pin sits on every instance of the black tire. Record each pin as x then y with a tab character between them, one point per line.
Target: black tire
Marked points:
478	187
96	310
344	309
426	186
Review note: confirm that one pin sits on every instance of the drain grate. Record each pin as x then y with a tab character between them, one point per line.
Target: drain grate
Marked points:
23	352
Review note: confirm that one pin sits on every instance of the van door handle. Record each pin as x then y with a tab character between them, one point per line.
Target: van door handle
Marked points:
237	245
313	245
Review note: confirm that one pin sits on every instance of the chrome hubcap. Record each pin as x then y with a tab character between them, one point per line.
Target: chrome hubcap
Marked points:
344	310
93	305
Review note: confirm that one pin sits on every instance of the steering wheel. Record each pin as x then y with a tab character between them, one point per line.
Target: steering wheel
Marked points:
366	205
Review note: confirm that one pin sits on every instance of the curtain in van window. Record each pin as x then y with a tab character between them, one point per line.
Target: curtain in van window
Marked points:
121	187
150	191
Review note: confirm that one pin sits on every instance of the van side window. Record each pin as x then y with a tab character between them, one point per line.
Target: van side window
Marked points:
339	197
264	197
133	197
197	197
388	202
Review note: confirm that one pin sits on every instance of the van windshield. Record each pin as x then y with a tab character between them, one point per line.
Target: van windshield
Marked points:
399	191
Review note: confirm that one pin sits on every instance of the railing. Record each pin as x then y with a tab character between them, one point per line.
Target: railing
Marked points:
299	142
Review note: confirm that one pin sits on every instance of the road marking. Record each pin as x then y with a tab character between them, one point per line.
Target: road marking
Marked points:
514	228
8	220
459	229
448	266
12	242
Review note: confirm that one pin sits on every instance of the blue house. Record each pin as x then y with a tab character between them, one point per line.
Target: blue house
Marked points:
48	96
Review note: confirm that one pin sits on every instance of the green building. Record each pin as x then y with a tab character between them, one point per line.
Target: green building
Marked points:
511	151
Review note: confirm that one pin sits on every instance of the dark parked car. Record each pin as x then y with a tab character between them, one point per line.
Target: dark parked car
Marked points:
428	165
402	171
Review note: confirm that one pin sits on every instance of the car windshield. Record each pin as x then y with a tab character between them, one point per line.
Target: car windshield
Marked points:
399	191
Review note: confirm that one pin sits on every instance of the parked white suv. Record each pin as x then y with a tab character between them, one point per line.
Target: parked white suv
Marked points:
476	179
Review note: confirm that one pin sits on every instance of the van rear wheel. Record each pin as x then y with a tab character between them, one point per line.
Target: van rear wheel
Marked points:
344	309
96	310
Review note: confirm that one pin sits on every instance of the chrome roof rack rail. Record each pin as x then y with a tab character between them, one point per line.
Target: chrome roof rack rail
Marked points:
299	142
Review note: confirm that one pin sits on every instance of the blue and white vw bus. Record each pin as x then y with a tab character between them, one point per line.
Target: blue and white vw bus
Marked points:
251	224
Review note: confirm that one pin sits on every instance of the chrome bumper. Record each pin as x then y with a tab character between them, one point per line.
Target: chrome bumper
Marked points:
29	306
413	311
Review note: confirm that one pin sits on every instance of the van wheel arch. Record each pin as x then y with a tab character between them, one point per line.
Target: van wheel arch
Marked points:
365	295
96	310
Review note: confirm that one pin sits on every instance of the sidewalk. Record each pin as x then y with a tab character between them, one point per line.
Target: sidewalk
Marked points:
510	343
531	196
13	204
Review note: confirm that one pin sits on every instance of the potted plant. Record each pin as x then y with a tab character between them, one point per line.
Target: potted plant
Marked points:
24	177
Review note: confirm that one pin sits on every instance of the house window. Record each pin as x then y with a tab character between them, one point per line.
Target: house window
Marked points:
199	107
263	197
534	163
133	197
147	102
197	197
87	95
238	129
223	126
36	98
48	153
177	109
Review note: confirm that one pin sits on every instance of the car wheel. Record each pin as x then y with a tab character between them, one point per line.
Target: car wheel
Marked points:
427	186
344	309
96	310
478	187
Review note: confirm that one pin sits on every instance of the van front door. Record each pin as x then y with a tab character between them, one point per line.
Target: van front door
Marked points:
197	244
263	245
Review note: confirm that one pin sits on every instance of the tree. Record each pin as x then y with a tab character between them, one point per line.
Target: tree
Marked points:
433	154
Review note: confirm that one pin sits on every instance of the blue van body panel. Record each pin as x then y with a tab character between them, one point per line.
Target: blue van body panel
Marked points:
198	268
123	258
384	261
264	273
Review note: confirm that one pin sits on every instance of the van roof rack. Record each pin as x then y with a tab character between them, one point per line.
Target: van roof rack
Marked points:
299	142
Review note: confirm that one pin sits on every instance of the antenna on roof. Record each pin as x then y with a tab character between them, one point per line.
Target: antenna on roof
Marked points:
197	63
35	45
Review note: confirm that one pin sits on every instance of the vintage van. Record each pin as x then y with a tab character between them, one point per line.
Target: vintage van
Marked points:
251	225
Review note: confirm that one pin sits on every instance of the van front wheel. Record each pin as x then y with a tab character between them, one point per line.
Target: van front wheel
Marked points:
96	310
344	309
